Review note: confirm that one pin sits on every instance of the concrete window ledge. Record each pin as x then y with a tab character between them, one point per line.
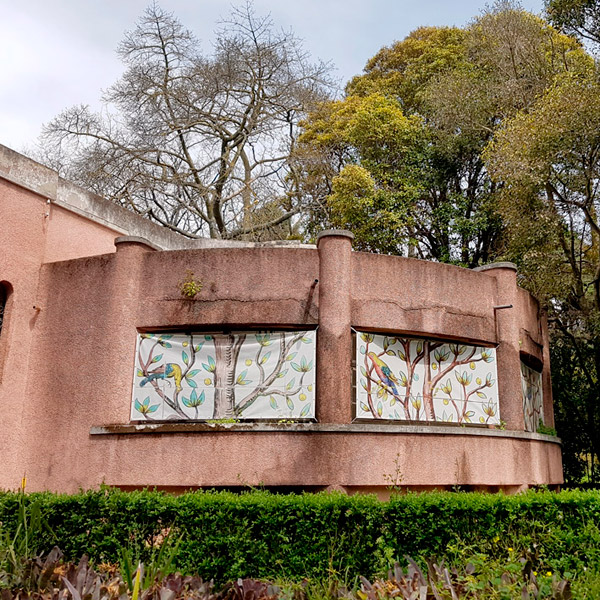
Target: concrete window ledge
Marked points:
312	428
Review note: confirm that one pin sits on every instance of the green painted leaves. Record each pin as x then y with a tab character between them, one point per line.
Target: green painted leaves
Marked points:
194	400
241	378
440	354
264	339
487	355
303	367
144	407
211	366
463	378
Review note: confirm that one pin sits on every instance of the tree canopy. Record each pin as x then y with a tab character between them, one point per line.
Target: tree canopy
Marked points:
409	135
199	143
549	160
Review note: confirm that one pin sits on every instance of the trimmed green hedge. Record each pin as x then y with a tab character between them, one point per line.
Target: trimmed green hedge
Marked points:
262	535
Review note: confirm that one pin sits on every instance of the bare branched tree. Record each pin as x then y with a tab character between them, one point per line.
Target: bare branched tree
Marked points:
200	144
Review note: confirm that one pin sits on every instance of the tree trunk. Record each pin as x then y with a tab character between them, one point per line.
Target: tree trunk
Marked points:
227	349
427	387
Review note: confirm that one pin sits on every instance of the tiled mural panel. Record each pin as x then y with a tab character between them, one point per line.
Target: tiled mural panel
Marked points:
266	375
425	380
533	402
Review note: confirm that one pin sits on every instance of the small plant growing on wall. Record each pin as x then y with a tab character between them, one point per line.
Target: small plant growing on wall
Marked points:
189	286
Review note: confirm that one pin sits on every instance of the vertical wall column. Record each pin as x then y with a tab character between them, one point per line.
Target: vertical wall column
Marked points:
508	352
334	338
122	320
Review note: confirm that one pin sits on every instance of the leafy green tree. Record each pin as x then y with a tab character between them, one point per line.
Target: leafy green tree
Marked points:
408	137
372	198
575	396
549	161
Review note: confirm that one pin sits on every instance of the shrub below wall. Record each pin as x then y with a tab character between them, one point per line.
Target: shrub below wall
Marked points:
262	535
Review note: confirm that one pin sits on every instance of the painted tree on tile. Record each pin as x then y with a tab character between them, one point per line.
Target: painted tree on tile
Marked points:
227	350
533	406
415	373
259	375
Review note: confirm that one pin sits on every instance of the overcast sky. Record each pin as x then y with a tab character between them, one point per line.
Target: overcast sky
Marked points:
57	53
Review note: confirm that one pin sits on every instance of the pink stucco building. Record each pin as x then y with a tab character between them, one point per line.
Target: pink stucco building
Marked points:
295	366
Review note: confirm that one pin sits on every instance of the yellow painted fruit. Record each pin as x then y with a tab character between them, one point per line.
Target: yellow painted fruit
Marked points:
481	420
472	365
434	366
248	362
185	344
207	381
478	380
310	388
446	401
302	396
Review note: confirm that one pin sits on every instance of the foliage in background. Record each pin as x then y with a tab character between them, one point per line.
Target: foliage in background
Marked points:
405	146
549	161
576	411
580	18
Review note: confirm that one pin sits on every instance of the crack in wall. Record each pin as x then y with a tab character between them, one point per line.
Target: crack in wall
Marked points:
434	307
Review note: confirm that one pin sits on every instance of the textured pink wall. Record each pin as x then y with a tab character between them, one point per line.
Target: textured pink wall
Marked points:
22	229
391	293
29	238
70	235
70	360
334	337
322	459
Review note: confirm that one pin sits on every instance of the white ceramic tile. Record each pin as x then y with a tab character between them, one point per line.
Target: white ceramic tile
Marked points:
459	371
294	362
533	405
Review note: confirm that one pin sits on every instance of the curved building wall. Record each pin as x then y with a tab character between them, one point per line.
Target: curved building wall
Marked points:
78	428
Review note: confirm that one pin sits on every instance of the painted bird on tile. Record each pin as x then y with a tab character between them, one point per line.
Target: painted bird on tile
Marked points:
170	370
384	372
